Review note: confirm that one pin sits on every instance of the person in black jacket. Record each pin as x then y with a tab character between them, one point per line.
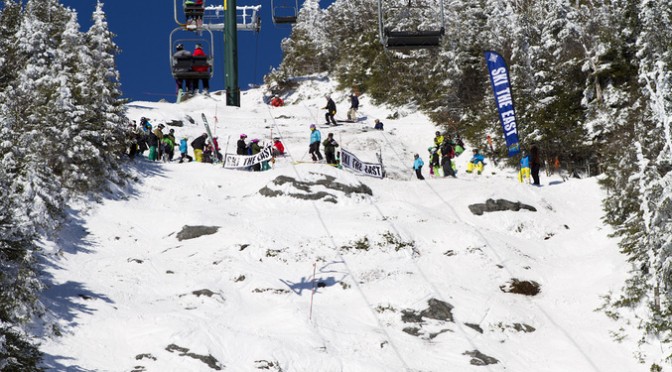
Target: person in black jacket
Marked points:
330	146
447	154
354	106
241	146
199	144
535	164
331	111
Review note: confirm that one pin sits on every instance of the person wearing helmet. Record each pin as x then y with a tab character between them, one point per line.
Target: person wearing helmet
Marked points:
181	65
276	101
241	145
314	147
331	111
438	140
168	141
378	125
417	166
154	141
184	150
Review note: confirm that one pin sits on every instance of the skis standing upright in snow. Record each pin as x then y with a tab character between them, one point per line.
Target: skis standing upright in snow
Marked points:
212	139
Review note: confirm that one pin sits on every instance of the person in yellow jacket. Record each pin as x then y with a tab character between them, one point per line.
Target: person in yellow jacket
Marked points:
438	140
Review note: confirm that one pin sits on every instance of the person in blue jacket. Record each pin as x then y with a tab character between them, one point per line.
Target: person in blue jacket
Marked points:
315	139
417	165
184	150
524	174
477	162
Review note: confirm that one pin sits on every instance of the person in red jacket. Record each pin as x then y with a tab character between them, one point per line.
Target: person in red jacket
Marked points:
198	52
277	101
278	147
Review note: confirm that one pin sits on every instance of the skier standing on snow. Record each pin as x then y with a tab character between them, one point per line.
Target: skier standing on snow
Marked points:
168	145
535	164
417	165
241	146
331	111
330	146
315	138
447	154
438	139
354	106
254	146
154	140
199	145
184	150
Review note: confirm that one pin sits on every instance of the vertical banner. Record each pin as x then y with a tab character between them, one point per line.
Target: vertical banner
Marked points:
501	86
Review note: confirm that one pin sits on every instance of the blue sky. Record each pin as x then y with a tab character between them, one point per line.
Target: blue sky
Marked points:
143	30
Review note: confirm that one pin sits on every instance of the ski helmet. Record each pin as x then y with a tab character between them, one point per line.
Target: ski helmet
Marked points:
243	135
255	140
312	126
416	156
179	46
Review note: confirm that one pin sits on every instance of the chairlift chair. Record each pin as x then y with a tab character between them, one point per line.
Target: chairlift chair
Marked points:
181	67
284	11
410	25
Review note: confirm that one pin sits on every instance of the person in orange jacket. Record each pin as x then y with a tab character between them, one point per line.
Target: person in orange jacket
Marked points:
277	101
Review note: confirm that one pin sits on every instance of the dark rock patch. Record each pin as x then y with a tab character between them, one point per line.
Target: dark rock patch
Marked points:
413	331
139	369
203	292
480	359
170	272
239	279
306	192
175	123
243	246
438	310
209	360
267	365
524	287
434	334
136	260
410	316
193	232
522	327
475	327
145	356
492	205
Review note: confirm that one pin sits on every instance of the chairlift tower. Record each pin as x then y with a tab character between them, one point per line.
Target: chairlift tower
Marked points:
214	18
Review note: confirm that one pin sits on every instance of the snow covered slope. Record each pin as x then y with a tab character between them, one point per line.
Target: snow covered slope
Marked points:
407	277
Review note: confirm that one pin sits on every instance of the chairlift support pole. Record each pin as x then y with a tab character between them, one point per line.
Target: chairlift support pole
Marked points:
231	55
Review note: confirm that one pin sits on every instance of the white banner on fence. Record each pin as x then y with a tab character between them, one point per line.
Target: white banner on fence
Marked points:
233	161
350	161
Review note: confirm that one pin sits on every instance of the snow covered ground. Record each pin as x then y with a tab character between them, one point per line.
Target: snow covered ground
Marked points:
407	277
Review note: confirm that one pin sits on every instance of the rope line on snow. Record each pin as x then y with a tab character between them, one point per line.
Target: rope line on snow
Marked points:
345	264
489	246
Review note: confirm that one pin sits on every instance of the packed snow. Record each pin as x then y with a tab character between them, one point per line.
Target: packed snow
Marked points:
406	278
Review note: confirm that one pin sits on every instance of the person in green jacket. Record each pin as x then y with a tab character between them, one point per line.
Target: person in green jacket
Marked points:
254	147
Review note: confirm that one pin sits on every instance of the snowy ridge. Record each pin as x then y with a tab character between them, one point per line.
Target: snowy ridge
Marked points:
407	278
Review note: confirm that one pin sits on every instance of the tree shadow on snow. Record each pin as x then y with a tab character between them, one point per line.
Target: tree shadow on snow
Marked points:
53	363
65	301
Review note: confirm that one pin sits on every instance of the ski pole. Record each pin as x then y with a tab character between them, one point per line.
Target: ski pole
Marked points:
310	314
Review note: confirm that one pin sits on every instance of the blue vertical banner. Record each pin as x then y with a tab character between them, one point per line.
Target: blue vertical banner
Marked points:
501	86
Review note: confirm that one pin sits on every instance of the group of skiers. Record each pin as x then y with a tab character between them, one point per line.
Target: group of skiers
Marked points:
161	146
329	144
441	156
255	146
